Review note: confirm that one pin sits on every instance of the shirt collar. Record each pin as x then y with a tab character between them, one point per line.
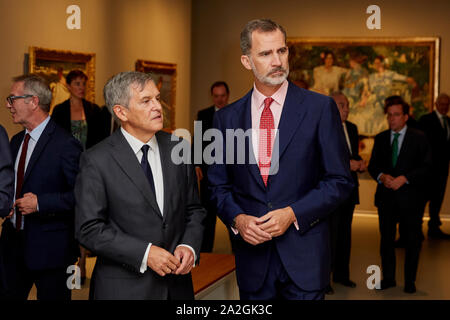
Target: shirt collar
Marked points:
402	132
279	96
440	115
137	144
35	134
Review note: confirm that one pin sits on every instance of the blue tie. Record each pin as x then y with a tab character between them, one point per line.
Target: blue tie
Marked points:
146	167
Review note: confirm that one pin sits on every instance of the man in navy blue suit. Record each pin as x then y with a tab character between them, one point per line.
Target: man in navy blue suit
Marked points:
295	174
38	237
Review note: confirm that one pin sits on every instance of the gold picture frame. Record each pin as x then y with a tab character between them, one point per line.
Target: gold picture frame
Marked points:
53	65
164	75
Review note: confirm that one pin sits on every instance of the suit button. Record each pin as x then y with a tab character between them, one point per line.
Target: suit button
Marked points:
164	226
269	205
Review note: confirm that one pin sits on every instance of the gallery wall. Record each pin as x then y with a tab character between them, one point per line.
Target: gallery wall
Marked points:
119	32
217	24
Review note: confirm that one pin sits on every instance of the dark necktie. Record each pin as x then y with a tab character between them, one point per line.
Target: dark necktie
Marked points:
19	178
146	167
266	131
395	149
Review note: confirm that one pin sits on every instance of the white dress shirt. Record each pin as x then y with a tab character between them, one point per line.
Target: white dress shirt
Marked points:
35	134
154	161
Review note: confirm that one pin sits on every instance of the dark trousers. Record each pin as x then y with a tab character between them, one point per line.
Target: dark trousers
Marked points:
279	286
341	240
436	196
411	221
50	283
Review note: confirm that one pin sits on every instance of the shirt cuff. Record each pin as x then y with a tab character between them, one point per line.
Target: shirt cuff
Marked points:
144	261
378	178
193	251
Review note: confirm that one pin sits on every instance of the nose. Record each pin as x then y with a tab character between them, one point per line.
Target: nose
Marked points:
276	61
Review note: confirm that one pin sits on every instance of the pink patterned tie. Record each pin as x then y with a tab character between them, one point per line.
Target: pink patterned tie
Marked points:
266	132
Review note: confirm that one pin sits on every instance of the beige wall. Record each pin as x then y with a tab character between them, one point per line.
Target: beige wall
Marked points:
118	31
216	26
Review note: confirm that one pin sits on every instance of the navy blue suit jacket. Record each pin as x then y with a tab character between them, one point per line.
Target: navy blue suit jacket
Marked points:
50	174
6	175
313	178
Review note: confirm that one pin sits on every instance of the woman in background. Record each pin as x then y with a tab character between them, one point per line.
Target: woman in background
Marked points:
82	119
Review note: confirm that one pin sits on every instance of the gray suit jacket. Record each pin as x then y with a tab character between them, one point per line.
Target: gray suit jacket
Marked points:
6	175
116	216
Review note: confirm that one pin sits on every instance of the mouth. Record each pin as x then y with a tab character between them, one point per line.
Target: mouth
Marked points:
277	72
157	117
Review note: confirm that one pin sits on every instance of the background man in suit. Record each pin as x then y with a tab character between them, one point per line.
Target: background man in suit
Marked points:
436	127
219	93
6	175
400	162
341	219
135	207
38	240
279	209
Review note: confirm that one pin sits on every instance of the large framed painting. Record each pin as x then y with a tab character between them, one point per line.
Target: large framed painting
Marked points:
164	75
54	65
367	71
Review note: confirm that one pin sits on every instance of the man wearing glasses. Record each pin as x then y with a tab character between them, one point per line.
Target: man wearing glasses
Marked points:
37	238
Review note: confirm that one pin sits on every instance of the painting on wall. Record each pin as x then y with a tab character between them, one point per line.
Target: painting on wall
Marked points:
367	71
54	65
164	75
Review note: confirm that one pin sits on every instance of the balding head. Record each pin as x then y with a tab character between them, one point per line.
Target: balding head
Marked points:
442	103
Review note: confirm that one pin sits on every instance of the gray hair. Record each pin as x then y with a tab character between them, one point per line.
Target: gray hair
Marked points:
262	25
37	86
117	90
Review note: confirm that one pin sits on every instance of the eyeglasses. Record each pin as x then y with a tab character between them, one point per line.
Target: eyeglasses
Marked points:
11	99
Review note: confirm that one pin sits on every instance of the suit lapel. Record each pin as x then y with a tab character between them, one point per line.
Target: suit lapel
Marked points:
291	118
245	121
40	146
128	162
404	149
168	172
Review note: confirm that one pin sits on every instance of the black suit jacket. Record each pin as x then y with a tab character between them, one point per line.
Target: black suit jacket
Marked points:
440	145
50	174
96	132
6	175
353	136
414	162
117	216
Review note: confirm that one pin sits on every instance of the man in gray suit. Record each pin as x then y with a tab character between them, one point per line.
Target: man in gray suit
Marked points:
136	209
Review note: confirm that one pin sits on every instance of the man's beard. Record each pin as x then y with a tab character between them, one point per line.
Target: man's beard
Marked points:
267	79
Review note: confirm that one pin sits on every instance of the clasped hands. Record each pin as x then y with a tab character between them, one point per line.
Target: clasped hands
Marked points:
256	230
26	205
163	262
392	183
358	165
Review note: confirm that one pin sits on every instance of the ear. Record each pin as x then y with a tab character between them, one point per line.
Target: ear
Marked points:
120	112
35	102
245	60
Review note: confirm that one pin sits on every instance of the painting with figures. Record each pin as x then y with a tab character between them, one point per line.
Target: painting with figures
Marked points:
367	71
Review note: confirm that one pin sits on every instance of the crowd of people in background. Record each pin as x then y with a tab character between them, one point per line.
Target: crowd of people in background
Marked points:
98	181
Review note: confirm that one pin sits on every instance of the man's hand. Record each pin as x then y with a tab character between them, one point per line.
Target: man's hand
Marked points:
162	261
386	180
277	221
27	204
249	230
186	257
398	182
362	166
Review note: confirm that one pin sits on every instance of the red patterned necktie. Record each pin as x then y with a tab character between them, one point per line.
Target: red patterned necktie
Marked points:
266	132
20	175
